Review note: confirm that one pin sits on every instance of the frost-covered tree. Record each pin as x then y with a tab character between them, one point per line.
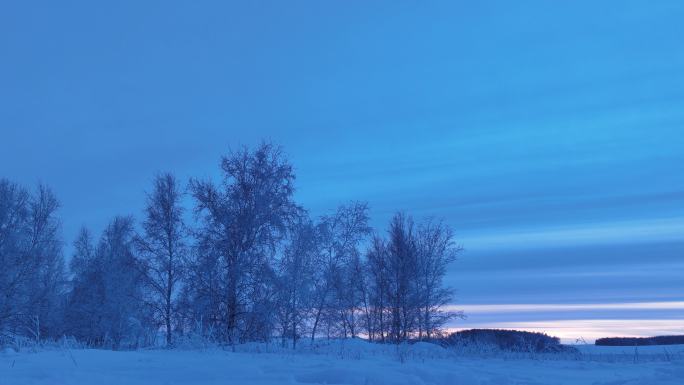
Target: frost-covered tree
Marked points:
87	292
48	285
31	262
84	252
436	250
163	251
243	220
337	293
405	273
296	268
105	306
202	297
377	288
402	264
255	266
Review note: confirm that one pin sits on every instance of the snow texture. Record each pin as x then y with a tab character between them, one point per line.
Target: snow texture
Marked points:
340	362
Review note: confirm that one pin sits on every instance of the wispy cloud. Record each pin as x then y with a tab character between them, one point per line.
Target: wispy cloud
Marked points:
621	232
546	307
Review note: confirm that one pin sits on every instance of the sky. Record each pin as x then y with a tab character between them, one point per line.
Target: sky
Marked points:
549	135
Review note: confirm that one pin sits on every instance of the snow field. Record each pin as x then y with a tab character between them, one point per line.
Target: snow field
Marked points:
351	362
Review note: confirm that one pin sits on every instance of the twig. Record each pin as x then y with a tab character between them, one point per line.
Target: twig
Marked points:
66	345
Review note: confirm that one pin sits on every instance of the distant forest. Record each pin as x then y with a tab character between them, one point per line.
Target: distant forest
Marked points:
252	265
636	341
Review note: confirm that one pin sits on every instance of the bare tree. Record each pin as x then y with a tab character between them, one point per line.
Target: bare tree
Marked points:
85	294
32	266
405	280
377	288
259	265
84	251
105	306
296	269
436	250
243	221
335	283
402	264
163	249
16	268
48	284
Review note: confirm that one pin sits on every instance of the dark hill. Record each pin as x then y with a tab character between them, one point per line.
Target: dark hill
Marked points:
508	340
646	341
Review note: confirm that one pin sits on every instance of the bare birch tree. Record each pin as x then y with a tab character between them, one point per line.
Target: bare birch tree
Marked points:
243	221
163	250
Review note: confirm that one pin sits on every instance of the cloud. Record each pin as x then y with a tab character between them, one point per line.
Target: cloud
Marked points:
570	331
546	307
621	232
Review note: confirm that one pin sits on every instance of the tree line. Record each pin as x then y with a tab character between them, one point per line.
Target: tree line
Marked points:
252	265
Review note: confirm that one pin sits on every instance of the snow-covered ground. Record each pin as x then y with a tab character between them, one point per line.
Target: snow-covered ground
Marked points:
349	362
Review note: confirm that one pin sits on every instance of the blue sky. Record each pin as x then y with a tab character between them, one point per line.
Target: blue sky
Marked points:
550	135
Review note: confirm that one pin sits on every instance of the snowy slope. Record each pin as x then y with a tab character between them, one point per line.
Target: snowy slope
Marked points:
350	363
